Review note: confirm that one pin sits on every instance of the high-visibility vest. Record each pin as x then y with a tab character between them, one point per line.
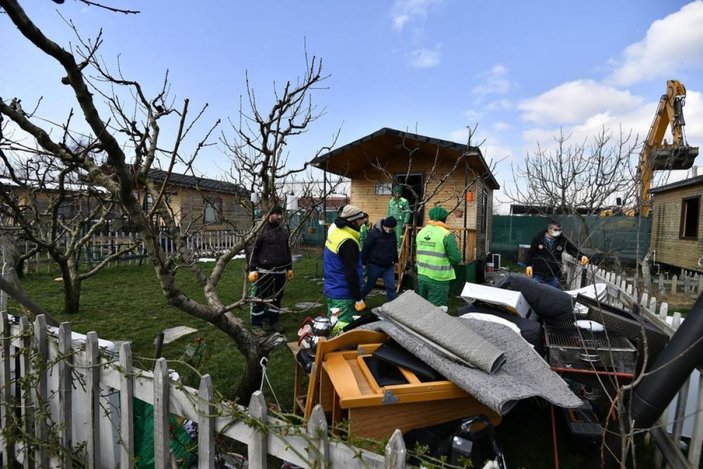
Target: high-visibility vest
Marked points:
432	259
334	278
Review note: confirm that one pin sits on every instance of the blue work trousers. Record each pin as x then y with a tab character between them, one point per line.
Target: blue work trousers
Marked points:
387	273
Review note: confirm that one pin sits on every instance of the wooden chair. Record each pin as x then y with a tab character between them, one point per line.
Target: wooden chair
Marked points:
347	339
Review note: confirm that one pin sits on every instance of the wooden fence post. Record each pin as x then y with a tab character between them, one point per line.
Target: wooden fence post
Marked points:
396	452
65	393
161	399
6	401
258	448
92	388
694	453
41	402
27	400
319	449
206	423
126	407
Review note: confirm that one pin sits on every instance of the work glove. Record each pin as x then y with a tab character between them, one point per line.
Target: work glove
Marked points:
290	275
253	276
529	272
584	260
360	305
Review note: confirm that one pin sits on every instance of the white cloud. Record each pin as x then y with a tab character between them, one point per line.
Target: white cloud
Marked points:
406	11
671	44
501	126
424	58
493	81
499	105
473	116
576	101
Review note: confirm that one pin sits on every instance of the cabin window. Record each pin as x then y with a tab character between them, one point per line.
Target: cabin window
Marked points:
66	210
383	188
148	202
484	210
690	214
213	211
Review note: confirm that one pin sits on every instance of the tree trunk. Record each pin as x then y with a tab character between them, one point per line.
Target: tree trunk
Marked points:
249	381
252	373
72	296
71	288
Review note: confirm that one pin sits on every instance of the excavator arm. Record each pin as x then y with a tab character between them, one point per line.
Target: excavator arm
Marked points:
656	153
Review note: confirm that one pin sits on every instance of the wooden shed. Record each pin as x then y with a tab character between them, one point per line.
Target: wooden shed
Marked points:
677	225
202	203
442	172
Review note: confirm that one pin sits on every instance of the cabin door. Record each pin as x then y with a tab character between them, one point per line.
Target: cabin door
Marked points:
414	181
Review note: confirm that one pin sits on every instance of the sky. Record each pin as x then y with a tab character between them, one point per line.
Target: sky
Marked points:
519	71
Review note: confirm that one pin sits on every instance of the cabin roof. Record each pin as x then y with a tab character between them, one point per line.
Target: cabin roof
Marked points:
353	157
184	180
678	184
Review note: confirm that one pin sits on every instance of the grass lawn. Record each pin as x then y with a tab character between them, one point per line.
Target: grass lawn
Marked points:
125	303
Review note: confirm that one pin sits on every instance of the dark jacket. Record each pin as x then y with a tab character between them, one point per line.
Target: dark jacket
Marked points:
545	261
380	248
271	250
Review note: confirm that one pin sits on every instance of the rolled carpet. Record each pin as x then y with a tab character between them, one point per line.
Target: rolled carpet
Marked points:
449	335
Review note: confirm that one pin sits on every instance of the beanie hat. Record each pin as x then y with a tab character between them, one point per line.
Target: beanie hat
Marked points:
397	190
277	209
438	213
389	222
351	213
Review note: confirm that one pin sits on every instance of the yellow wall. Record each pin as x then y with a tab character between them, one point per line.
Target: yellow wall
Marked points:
363	195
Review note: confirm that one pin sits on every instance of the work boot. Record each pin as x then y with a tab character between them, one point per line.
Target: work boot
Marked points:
277	328
258	331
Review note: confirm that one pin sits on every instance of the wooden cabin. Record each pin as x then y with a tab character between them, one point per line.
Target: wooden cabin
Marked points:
202	203
677	224
442	172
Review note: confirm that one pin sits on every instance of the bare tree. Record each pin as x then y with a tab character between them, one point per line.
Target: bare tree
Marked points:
258	145
577	177
58	213
128	144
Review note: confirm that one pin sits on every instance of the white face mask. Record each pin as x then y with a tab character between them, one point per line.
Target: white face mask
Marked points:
555	234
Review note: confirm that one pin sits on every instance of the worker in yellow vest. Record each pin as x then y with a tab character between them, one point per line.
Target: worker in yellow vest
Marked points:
343	271
437	253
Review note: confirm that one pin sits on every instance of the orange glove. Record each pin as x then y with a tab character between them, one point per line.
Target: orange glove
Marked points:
529	272
360	305
584	260
290	275
253	276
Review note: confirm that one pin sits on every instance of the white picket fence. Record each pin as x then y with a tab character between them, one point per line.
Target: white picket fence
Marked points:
68	399
687	408
205	243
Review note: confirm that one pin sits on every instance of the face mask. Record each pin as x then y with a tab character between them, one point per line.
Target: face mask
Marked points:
555	234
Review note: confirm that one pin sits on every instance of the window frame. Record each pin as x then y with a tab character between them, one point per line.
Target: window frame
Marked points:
684	221
215	205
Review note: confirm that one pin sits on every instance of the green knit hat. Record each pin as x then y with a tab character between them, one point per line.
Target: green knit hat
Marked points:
398	190
438	214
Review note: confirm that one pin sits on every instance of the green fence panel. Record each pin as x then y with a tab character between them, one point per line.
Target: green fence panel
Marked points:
606	239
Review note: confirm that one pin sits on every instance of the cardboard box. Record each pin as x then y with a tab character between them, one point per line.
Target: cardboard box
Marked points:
508	299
